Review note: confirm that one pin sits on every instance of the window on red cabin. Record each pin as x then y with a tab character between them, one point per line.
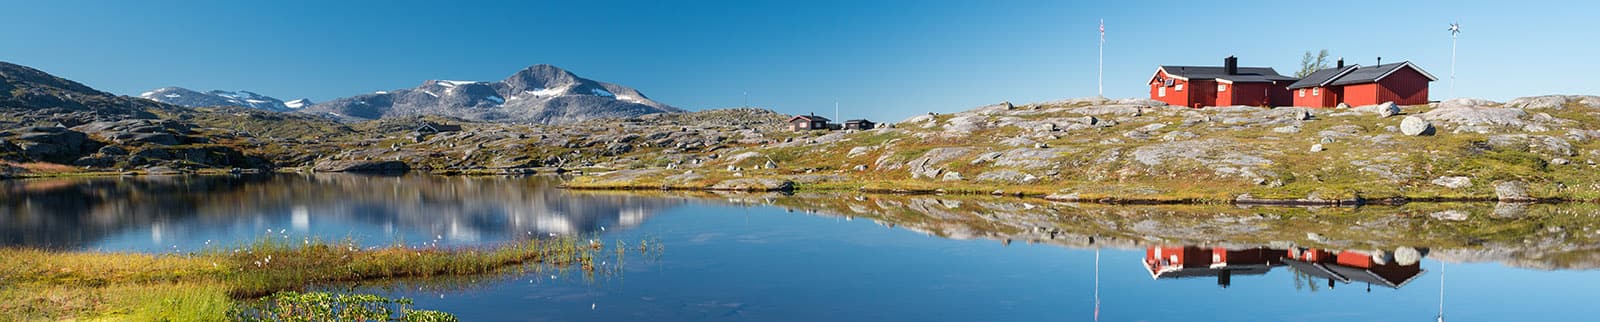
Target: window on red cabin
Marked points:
1161	92
1302	92
1179	87
1316	92
1222	87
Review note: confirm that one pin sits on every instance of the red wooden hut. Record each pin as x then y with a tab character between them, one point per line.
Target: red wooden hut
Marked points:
1229	84
1219	262
1402	83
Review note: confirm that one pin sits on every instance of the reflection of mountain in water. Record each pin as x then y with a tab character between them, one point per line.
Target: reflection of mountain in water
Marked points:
1379	268
78	212
1543	236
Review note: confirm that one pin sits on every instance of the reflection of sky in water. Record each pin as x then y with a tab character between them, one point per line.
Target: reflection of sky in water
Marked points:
190	213
763	264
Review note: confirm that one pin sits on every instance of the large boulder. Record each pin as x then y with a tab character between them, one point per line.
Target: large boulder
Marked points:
1416	126
361	166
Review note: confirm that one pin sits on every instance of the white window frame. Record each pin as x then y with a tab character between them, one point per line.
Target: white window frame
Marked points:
1179	87
1302	92
1317	91
1222	87
1161	91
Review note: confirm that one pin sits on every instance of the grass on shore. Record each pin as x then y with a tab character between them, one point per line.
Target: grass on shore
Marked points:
46	284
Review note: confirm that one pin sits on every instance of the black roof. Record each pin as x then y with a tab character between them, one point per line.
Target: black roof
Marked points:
1354	74
1245	75
1321	76
812	117
1347	275
858	121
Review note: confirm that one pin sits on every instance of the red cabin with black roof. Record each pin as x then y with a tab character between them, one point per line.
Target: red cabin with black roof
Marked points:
1402	83
1227	85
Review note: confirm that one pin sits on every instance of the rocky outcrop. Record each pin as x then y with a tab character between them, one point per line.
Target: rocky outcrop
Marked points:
362	166
754	184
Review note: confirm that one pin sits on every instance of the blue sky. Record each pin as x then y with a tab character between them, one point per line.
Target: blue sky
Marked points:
878	59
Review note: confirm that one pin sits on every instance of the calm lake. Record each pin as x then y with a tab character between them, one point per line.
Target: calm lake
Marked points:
855	257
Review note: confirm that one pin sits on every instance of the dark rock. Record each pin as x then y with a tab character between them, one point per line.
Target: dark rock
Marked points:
112	150
153	138
361	166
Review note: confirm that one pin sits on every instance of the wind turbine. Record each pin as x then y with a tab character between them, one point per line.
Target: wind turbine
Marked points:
1455	29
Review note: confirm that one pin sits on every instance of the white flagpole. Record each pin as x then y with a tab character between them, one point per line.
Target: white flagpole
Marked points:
1100	72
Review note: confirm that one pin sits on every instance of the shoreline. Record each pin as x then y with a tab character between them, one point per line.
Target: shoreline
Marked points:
1242	200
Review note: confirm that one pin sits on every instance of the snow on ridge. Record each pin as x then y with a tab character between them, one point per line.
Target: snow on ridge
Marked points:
147	94
454	83
172	95
380	92
602	92
496	99
543	92
296	103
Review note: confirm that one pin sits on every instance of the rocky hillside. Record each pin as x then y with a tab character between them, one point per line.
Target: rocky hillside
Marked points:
1140	150
30	96
185	97
541	94
53	125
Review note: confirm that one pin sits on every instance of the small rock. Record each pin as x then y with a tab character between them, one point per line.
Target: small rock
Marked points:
951	176
1509	210
1041	145
1316	147
1416	126
770	165
1315	237
1560	161
1453	182
1512	191
1449	215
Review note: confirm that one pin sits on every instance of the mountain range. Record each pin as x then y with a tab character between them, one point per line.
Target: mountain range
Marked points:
191	98
538	94
542	94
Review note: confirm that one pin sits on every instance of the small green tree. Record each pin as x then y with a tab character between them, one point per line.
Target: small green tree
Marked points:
1311	63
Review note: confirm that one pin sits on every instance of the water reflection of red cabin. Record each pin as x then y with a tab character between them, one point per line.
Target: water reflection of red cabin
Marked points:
1352	266
1219	262
1222	263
